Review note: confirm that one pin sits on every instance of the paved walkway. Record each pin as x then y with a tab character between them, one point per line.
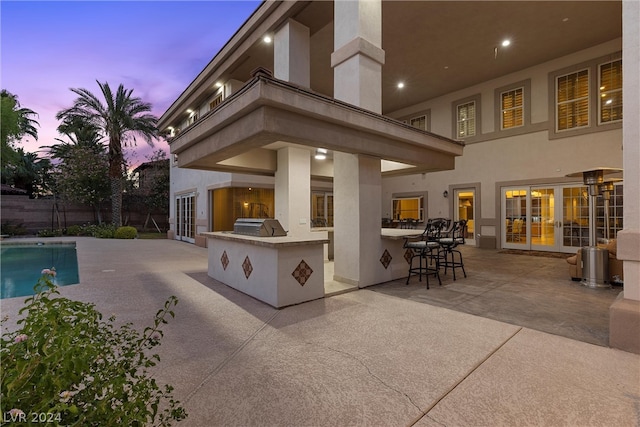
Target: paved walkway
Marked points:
360	358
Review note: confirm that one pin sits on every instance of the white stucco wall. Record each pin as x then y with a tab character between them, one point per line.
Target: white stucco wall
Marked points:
532	156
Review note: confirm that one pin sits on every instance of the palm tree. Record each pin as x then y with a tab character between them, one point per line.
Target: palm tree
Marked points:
120	118
79	133
16	122
29	172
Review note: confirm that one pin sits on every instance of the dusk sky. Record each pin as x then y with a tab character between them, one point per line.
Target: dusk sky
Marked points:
155	48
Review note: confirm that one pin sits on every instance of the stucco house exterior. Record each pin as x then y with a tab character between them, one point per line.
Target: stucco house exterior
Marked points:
354	113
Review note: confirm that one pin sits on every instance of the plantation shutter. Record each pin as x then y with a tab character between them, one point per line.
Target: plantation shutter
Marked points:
572	92
512	108
611	92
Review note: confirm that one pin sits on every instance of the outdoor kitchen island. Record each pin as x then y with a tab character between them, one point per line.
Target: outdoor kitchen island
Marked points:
278	270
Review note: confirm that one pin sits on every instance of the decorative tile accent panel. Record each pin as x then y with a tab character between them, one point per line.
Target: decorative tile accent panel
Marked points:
386	259
247	267
224	260
302	273
407	255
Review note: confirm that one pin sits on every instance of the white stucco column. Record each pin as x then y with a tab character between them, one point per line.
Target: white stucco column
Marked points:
293	190
291	53
357	186
358	56
624	323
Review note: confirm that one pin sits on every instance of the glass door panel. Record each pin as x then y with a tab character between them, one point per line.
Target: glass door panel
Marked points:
465	201
575	217
514	212
545	228
186	218
321	209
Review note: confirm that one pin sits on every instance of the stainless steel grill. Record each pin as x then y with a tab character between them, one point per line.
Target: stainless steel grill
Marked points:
259	227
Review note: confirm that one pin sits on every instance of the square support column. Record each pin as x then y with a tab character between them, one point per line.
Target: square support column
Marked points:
357	185
624	319
293	190
357	196
291	53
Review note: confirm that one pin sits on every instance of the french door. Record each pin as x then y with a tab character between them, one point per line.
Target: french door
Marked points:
186	217
532	218
554	217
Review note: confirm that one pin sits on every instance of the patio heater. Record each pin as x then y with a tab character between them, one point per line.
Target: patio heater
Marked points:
595	260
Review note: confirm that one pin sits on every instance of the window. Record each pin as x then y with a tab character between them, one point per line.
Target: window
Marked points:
466	121
216	101
419	122
512	106
408	208
572	100
192	118
610	84
230	203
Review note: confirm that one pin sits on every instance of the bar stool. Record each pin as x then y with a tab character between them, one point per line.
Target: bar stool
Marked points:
447	252
428	259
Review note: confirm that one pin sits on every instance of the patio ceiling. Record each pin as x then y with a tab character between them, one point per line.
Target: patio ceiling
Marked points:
434	47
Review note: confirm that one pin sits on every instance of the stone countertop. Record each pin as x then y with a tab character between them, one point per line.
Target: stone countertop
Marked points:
399	233
270	242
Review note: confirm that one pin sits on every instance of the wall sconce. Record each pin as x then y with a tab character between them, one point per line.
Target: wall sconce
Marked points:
321	154
445	194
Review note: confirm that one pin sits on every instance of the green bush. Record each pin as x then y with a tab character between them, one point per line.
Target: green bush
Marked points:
103	231
12	229
50	233
126	233
67	365
74	230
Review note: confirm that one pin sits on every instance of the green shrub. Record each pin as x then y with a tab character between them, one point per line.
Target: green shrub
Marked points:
126	233
50	233
74	230
103	231
65	362
12	229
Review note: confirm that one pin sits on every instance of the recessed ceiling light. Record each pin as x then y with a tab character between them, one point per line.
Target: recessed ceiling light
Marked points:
446	67
609	101
267	39
400	85
565	19
190	111
506	43
218	84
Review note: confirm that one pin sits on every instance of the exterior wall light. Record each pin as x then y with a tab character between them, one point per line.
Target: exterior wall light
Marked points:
266	39
321	154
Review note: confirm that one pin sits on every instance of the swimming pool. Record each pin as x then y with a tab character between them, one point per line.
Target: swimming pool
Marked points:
22	263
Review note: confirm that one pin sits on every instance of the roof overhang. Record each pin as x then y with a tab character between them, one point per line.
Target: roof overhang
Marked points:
244	132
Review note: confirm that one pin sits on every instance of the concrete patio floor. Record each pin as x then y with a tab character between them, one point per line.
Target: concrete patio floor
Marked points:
358	358
531	291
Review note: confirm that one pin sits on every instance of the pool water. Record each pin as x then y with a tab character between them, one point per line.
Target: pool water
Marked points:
22	264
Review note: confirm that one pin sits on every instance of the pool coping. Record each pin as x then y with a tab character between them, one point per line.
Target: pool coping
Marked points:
40	243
